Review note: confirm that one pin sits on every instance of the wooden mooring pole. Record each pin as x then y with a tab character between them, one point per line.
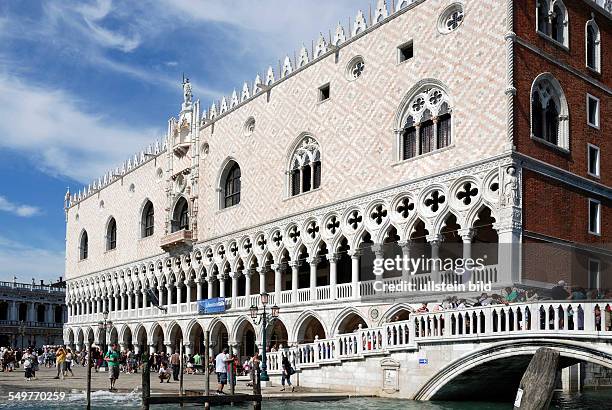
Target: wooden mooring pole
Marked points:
206	365
181	364
88	376
538	382
146	381
255	373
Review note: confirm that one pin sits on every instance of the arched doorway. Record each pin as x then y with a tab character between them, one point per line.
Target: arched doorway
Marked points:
114	335
246	339
219	338
176	337
310	328
141	339
157	337
485	241
127	339
351	323
80	339
278	337
196	338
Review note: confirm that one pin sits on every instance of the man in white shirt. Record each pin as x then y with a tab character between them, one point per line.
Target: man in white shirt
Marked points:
221	369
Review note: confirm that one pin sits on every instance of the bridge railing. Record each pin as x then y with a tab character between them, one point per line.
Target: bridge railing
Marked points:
542	318
549	317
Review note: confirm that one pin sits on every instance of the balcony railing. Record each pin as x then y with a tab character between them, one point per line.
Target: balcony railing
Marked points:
29	286
341	292
182	237
17	323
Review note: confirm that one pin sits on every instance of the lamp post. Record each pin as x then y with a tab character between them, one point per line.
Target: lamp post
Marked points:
264	318
105	325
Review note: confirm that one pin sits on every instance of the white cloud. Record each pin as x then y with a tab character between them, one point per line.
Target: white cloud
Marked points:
27	262
88	20
51	127
17	209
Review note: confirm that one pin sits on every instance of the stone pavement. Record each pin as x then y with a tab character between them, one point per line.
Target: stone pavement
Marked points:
14	381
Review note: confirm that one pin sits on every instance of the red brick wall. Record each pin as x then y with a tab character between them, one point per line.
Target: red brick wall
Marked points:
558	210
528	65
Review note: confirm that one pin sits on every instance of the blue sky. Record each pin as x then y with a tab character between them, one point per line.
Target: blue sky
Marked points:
85	84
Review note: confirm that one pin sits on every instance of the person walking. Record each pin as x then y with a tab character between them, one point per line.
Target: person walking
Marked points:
68	363
286	375
26	360
221	361
112	360
60	360
175	363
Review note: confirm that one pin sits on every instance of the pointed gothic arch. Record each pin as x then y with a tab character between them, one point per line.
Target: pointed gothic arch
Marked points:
549	112
304	165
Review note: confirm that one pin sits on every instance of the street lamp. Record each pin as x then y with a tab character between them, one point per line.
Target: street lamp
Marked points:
264	318
105	325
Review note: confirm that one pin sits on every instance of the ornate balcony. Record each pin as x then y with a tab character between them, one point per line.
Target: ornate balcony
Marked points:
179	238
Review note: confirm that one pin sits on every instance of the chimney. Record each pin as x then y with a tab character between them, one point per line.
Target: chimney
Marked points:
60	279
41	282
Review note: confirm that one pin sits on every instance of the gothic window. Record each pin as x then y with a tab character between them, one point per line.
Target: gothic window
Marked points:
542	16
593	46
231	186
425	122
148	220
83	246
559	22
180	218
549	112
305	167
111	235
552	20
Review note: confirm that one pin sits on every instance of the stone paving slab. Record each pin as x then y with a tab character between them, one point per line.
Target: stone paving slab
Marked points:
15	382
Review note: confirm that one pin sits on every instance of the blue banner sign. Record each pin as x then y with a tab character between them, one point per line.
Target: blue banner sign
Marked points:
214	305
422	361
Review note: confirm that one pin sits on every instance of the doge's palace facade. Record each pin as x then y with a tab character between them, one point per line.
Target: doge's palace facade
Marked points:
388	136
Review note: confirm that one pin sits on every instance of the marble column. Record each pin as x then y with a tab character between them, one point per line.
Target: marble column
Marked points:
278	285
179	293
210	281
188	284
406	273
234	276
333	274
247	286
221	278
355	272
313	277
434	242
295	266
262	279
199	289
169	295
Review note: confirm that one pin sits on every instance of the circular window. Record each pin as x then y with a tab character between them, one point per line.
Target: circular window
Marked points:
249	127
451	18
355	68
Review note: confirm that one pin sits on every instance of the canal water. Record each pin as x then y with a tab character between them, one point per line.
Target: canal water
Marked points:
102	400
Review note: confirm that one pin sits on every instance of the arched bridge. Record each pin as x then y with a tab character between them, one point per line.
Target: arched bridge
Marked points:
440	355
